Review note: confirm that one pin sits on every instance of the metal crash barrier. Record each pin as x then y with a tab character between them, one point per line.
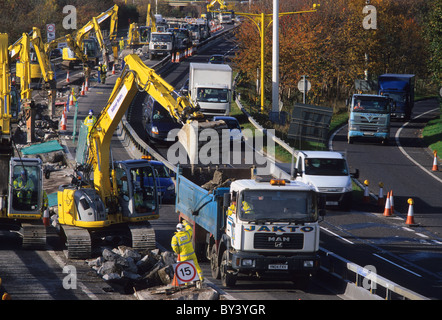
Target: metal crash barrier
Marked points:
363	282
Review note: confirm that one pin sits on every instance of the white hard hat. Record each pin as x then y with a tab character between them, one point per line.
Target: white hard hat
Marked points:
179	227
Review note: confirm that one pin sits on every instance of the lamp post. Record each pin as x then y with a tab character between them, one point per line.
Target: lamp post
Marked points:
262	21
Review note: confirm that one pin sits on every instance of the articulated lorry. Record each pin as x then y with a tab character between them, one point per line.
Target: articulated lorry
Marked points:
273	230
400	88
369	118
210	87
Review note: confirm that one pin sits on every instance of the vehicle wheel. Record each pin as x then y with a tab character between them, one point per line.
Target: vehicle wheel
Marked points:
214	265
385	142
228	279
350	140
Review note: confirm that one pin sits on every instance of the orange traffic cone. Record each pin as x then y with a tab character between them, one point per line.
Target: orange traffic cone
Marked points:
435	167
46	217
86	85
391	202
67	77
82	90
173	58
410	215
178	57
63	120
366	198
387	210
113	69
381	200
71	98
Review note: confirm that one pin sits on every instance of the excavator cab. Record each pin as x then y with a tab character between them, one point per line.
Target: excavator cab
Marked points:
25	176
137	194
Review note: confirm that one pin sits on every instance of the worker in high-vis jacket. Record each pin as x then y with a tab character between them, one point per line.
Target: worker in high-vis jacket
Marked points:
182	245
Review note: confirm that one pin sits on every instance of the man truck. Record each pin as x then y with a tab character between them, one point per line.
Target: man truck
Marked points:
210	87
273	229
400	88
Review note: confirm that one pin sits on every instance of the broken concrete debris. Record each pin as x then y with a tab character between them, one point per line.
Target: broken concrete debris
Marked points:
147	274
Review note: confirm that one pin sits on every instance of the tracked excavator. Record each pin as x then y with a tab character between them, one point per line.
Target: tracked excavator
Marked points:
21	183
117	197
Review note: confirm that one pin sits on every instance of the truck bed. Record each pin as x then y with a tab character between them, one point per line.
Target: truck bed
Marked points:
204	206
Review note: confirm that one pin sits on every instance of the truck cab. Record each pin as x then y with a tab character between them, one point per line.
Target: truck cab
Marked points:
400	88
328	173
369	118
161	44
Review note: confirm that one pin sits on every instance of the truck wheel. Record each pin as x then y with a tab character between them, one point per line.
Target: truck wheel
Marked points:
350	140
228	279
214	265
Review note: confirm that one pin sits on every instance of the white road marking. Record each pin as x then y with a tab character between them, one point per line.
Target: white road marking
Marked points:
395	264
337	235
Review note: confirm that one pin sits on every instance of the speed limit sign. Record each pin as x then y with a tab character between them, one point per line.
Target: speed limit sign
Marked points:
185	271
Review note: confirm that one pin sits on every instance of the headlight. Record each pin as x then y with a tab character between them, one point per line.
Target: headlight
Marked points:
155	130
248	263
308	264
171	187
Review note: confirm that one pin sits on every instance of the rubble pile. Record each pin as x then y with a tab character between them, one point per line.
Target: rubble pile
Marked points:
148	275
129	268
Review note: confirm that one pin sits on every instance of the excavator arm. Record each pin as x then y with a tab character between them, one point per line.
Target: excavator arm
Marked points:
42	56
211	5
21	49
150	19
135	77
5	90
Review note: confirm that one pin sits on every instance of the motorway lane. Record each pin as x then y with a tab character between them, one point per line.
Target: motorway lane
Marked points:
410	256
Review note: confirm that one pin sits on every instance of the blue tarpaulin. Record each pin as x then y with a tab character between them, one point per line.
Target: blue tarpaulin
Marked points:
42	147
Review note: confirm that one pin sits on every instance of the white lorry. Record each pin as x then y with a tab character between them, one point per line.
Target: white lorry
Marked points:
210	87
328	173
273	229
161	44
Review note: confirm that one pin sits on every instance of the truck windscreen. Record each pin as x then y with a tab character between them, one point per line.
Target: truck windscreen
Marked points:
277	206
371	104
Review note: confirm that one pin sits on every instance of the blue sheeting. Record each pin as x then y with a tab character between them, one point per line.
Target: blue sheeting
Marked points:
44	147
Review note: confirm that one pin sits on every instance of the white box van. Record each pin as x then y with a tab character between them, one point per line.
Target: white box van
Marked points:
328	173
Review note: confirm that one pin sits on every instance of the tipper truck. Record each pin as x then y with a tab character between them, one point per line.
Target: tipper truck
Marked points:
272	231
210	86
400	88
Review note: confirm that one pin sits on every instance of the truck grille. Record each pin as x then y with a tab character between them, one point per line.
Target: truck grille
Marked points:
160	46
274	241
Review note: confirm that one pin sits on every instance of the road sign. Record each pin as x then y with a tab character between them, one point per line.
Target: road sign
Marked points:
185	271
50	31
301	85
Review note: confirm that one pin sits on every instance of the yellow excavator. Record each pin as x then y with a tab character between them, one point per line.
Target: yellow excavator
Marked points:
21	180
117	197
139	36
82	49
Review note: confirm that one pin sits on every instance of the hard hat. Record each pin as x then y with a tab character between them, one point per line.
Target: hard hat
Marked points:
91	112
179	227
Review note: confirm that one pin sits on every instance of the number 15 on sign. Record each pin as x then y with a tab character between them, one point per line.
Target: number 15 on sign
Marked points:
185	271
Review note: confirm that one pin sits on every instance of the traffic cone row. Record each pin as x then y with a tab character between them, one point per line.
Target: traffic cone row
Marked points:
435	166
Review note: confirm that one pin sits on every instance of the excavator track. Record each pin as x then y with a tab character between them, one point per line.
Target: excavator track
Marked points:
143	236
34	235
78	242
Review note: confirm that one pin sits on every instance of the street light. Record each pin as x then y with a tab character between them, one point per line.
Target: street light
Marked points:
259	19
